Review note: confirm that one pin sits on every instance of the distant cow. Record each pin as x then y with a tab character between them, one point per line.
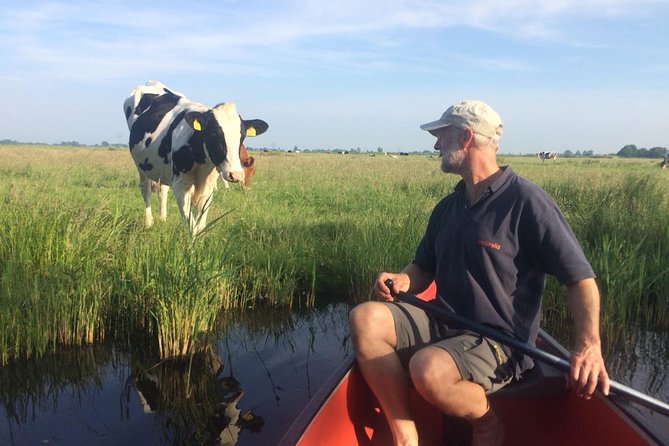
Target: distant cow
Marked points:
665	162
547	156
185	145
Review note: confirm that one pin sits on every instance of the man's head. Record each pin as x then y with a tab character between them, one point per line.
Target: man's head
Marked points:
466	131
477	116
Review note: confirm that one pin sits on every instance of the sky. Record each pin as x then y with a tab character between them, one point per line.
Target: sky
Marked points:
339	74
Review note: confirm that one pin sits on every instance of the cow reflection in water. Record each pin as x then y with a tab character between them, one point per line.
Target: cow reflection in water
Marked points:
192	402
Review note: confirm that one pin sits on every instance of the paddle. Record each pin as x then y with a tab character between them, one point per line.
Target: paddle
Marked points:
533	352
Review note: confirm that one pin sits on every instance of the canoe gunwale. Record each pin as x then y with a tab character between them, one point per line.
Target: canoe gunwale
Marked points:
316	403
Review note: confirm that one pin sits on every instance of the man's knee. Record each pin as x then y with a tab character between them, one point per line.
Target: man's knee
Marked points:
371	320
367	316
431	369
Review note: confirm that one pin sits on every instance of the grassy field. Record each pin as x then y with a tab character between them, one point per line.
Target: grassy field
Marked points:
77	266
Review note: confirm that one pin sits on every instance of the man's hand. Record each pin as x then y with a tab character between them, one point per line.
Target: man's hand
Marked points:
587	363
587	368
401	282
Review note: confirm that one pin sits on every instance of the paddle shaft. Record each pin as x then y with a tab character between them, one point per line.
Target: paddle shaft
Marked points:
533	352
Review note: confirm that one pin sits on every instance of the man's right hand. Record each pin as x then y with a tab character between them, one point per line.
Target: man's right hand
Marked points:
401	282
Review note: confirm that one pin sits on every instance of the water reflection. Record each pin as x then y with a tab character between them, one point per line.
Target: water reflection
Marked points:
193	401
246	389
29	388
645	360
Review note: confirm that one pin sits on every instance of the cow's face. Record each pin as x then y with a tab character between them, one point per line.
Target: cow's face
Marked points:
223	134
248	164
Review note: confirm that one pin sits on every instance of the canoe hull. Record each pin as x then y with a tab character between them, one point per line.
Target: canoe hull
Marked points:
351	415
539	410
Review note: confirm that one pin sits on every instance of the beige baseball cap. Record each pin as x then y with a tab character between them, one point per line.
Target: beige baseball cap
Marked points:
477	116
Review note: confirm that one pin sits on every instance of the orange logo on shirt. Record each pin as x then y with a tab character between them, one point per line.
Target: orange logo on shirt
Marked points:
495	246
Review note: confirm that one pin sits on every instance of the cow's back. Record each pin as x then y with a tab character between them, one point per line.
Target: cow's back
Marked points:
141	97
154	115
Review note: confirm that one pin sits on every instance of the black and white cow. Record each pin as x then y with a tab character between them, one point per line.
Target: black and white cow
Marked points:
184	145
665	162
547	156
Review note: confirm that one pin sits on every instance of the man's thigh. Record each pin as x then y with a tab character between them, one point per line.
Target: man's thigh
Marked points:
412	329
479	359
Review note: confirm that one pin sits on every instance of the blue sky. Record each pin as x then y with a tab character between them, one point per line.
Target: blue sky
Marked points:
563	74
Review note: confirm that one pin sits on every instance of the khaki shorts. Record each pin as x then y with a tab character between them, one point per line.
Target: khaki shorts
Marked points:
479	359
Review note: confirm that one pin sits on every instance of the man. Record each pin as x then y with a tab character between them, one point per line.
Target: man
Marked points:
487	245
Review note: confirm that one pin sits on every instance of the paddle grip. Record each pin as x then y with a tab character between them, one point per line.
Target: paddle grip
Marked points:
389	284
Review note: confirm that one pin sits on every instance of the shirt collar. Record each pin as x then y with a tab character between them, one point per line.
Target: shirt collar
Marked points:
507	174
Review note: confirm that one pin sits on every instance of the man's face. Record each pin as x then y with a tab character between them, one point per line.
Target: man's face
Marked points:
450	144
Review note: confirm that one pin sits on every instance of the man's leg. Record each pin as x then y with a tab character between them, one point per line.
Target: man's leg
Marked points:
437	378
374	340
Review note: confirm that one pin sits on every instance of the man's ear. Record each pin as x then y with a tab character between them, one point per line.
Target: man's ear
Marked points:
467	137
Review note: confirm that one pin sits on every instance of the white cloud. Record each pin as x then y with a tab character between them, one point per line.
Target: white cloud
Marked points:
398	50
124	36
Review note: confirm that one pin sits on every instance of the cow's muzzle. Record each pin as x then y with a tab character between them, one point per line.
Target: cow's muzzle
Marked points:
234	177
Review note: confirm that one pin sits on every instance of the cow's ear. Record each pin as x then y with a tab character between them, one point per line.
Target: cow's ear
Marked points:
194	119
255	127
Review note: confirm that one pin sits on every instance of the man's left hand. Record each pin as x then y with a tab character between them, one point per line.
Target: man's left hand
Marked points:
587	369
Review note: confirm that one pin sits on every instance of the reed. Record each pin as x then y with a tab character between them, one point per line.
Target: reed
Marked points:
623	230
77	266
186	295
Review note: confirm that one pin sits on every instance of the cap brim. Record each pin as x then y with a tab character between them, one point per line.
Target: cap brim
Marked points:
434	125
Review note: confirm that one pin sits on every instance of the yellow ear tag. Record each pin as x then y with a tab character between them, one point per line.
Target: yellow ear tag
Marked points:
196	125
250	131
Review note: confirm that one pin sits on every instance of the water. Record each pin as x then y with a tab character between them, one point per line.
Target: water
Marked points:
246	390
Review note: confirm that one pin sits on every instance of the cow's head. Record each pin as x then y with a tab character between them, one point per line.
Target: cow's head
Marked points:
223	134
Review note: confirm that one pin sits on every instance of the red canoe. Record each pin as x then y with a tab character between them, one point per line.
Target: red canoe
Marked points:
539	410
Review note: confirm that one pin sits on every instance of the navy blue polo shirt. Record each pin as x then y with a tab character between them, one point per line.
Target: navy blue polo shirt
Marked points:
489	260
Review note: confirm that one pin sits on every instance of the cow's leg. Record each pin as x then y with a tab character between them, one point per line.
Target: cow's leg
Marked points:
145	187
183	194
162	196
202	209
204	193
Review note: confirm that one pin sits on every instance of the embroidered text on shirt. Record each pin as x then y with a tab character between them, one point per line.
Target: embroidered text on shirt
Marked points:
495	246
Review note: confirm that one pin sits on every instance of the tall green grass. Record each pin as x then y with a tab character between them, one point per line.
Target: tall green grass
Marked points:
623	229
77	266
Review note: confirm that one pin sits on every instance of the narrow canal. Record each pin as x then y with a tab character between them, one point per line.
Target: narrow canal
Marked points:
246	390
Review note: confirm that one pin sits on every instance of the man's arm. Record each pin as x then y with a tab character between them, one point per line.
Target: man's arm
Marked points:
412	279
587	363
